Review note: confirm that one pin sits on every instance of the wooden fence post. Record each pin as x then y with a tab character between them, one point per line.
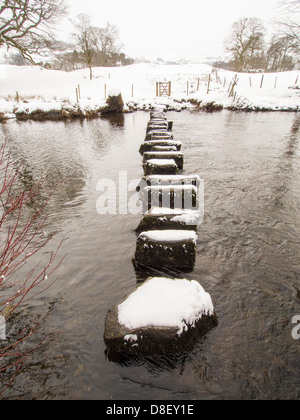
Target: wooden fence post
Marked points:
208	85
77	95
275	86
262	81
156	89
170	88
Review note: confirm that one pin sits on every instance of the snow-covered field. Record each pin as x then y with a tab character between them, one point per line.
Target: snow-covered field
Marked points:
50	90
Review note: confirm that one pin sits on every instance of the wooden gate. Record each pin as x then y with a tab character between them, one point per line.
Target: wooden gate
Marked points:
163	88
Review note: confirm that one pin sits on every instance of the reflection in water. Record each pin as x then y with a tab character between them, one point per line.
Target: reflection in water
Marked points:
116	120
248	257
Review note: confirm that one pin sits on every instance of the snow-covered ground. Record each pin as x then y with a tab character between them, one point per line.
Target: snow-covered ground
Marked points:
48	90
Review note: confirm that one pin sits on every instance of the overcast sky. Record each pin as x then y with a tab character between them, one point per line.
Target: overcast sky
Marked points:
172	29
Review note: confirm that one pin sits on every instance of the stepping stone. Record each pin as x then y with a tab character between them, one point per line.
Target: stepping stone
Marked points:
161	218
161	317
153	180
158	119
147	146
160	167
166	248
156	130
167	136
158	124
170	196
177	156
164	149
159	135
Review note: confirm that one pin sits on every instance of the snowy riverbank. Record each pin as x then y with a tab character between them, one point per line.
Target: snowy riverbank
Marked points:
33	92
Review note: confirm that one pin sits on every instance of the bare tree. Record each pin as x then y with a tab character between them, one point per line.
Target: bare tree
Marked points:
246	42
290	19
107	42
86	40
27	25
281	53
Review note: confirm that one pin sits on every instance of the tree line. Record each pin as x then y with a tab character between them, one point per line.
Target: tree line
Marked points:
28	27
249	50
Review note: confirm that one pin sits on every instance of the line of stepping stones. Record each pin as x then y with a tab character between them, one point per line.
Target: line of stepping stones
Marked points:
163	315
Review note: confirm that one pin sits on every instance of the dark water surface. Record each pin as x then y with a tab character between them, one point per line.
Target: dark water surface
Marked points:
248	257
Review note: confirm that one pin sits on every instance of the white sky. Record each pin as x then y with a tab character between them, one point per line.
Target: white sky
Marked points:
172	29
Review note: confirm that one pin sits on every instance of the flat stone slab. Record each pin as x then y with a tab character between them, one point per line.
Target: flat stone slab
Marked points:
153	180
148	146
160	167
158	124
166	248
159	134
177	156
158	218
161	317
170	196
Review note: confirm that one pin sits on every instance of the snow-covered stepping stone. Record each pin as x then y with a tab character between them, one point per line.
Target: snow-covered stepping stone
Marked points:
157	124
171	196
160	167
153	180
164	149
166	248
161	317
159	134
166	219
148	146
177	156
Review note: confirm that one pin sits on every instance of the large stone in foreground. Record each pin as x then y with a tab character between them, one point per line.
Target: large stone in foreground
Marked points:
161	317
166	249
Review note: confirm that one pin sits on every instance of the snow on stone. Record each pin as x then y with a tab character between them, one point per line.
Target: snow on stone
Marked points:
114	92
163	302
161	162
169	235
170	188
131	337
173	178
166	211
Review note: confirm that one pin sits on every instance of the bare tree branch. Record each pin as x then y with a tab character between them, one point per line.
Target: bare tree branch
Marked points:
27	25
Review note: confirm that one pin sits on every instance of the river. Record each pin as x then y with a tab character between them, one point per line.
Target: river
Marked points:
247	259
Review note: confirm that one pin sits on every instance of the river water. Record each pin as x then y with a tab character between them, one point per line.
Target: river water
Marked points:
248	257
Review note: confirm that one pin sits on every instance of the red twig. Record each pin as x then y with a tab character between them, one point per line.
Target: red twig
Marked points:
21	238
